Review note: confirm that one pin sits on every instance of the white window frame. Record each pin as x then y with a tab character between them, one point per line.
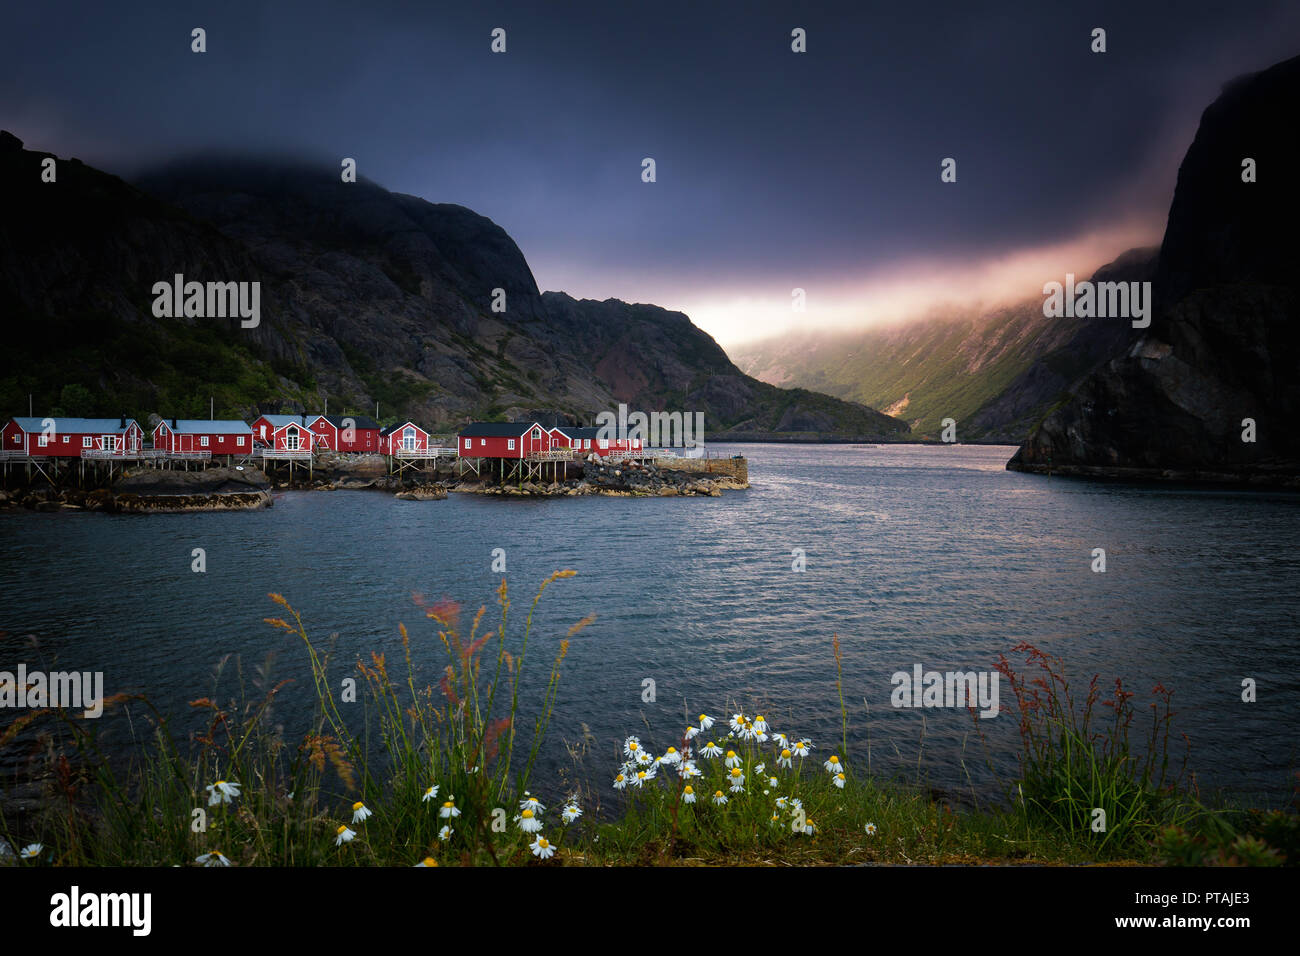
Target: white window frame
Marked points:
510	445
469	443
203	441
87	441
239	440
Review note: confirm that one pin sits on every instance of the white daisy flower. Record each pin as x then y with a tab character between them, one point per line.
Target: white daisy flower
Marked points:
711	750
719	797
780	740
528	822
212	858
689	770
732	760
642	776
833	764
795	804
705	721
531	803
802	748
643	758
737	778
760	724
449	809
631	746
430	794
31	851
620	781
671	756
688	794
223	791
445	833
784	759
871	829
542	848
737	722
570	813
691	732
773	782
781	802
343	835
839	780
759	768
360	812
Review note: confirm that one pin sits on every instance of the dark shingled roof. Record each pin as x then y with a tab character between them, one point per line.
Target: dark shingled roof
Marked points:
495	429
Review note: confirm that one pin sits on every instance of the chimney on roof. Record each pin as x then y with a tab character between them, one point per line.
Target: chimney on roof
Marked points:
173	424
122	423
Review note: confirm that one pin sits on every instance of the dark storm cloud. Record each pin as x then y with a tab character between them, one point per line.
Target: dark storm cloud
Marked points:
769	163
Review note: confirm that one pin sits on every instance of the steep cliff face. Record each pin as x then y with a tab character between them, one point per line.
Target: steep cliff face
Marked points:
366	296
1224	345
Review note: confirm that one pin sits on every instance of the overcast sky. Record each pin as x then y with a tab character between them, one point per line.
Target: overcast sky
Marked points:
775	170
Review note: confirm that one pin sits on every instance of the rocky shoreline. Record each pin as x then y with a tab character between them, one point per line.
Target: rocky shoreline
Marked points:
150	491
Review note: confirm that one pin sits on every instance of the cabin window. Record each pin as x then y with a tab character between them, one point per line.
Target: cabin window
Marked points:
240	441
510	445
291	440
110	443
17	439
87	442
469	442
43	440
203	441
65	439
537	433
408	439
482	442
602	442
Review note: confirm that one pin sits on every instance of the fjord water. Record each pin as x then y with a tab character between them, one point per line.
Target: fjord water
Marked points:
913	555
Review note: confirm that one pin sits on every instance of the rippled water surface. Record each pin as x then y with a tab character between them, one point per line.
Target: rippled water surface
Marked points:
929	555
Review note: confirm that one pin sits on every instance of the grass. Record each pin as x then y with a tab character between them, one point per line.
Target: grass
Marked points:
393	770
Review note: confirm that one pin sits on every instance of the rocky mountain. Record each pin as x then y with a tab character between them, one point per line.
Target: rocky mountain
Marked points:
367	296
1223	346
996	373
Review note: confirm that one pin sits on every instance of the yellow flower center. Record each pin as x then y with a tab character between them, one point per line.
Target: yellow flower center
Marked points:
735	771
528	814
631	746
785	753
430	861
835	760
358	805
447	804
731	753
541	841
340	830
689	789
672	750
